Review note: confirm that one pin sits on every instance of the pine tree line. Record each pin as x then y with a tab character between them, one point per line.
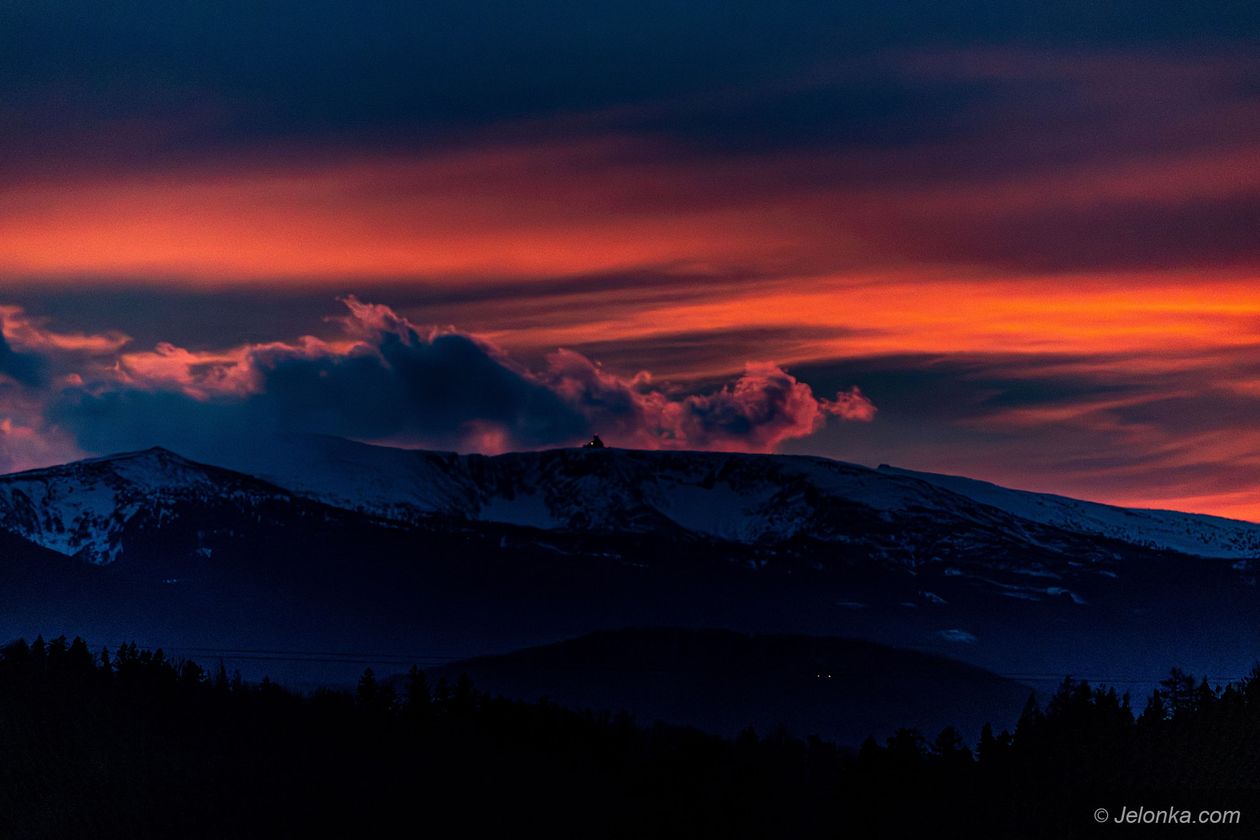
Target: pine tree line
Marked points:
132	743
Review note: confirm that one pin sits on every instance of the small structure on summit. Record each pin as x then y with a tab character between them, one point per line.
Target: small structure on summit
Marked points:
593	443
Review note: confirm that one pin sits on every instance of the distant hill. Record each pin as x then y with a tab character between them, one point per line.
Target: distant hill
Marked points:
723	682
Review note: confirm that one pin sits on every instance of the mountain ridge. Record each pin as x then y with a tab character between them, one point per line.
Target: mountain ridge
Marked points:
1197	534
422	481
80	508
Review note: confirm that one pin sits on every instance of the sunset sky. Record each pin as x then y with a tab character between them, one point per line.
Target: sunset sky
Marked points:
1018	241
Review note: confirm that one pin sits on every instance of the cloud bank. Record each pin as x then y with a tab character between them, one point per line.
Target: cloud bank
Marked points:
378	377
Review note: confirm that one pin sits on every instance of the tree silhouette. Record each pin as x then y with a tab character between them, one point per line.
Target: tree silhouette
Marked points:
109	740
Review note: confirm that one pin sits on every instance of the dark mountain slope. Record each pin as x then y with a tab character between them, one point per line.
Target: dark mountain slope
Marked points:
840	689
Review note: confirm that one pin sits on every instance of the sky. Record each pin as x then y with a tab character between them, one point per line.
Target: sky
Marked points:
1016	241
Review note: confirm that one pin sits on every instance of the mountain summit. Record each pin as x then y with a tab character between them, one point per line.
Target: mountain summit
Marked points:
83	509
905	517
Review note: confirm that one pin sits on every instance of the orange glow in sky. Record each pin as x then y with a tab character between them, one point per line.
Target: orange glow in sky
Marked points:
1120	274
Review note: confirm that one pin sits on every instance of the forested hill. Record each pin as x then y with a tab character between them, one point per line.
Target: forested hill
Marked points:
128	743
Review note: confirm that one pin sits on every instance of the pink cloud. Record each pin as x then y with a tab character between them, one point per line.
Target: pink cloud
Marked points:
205	374
30	333
762	409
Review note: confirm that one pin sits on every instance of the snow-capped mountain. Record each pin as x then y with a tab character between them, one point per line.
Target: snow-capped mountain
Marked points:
761	501
731	496
1188	533
83	509
86	509
365	547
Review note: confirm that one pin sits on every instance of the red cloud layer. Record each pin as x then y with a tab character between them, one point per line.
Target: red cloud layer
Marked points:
1101	231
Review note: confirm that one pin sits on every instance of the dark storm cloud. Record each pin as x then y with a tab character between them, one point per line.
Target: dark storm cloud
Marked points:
27	369
406	387
384	379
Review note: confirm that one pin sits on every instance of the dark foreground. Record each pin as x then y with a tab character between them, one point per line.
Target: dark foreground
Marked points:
131	744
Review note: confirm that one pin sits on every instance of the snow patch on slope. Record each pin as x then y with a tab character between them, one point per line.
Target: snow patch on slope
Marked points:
746	498
1188	533
82	509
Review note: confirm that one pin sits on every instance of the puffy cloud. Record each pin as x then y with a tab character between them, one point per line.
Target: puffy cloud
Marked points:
387	380
763	408
384	379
